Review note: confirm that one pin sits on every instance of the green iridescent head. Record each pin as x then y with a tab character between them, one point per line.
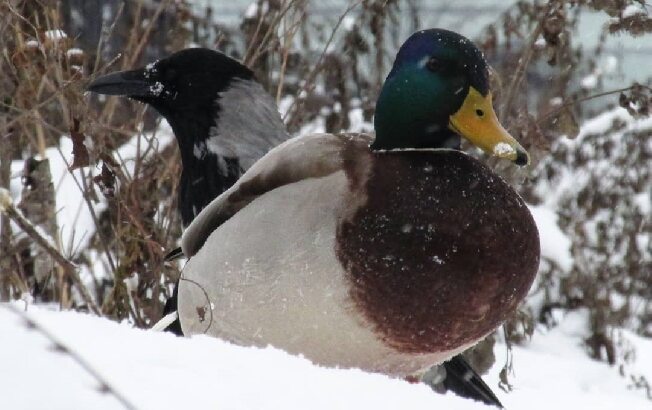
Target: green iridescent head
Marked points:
437	92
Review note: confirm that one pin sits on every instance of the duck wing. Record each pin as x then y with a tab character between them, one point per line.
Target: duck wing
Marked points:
300	158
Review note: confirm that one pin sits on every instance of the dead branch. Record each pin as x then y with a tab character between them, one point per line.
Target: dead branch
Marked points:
70	270
105	385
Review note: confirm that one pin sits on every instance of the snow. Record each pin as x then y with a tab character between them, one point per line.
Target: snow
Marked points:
502	149
602	122
555	245
633	9
74	219
32	44
569	178
55	34
553	371
349	23
74	52
590	81
644	202
610	64
156	89
161	371
252	10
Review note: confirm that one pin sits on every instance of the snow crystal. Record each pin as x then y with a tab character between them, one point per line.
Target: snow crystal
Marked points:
156	89
150	69
502	149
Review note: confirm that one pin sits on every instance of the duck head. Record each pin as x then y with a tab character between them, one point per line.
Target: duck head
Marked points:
438	91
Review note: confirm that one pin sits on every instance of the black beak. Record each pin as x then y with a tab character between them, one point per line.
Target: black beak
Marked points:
132	83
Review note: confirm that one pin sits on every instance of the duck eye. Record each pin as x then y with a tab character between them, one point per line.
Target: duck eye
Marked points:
433	64
479	112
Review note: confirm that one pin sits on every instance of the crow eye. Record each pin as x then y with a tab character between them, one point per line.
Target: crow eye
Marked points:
433	64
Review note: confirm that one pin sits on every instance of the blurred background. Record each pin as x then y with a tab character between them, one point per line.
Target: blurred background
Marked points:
97	176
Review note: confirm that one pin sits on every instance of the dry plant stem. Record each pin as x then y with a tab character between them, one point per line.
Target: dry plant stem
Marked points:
61	347
109	33
508	367
69	269
313	73
84	189
23	19
587	98
287	41
523	62
26	113
145	37
263	43
7	265
253	38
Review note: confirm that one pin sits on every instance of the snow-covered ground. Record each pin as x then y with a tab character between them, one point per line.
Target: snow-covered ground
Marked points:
159	371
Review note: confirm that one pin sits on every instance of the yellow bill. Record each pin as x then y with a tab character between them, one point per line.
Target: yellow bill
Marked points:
477	122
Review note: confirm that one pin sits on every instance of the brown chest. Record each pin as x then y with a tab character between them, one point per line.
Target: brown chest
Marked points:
440	254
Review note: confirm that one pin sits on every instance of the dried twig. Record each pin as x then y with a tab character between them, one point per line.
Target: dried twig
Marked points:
313	73
523	62
587	98
7	207
105	385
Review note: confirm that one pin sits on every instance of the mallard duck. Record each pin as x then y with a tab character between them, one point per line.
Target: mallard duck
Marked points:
388	253
209	97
